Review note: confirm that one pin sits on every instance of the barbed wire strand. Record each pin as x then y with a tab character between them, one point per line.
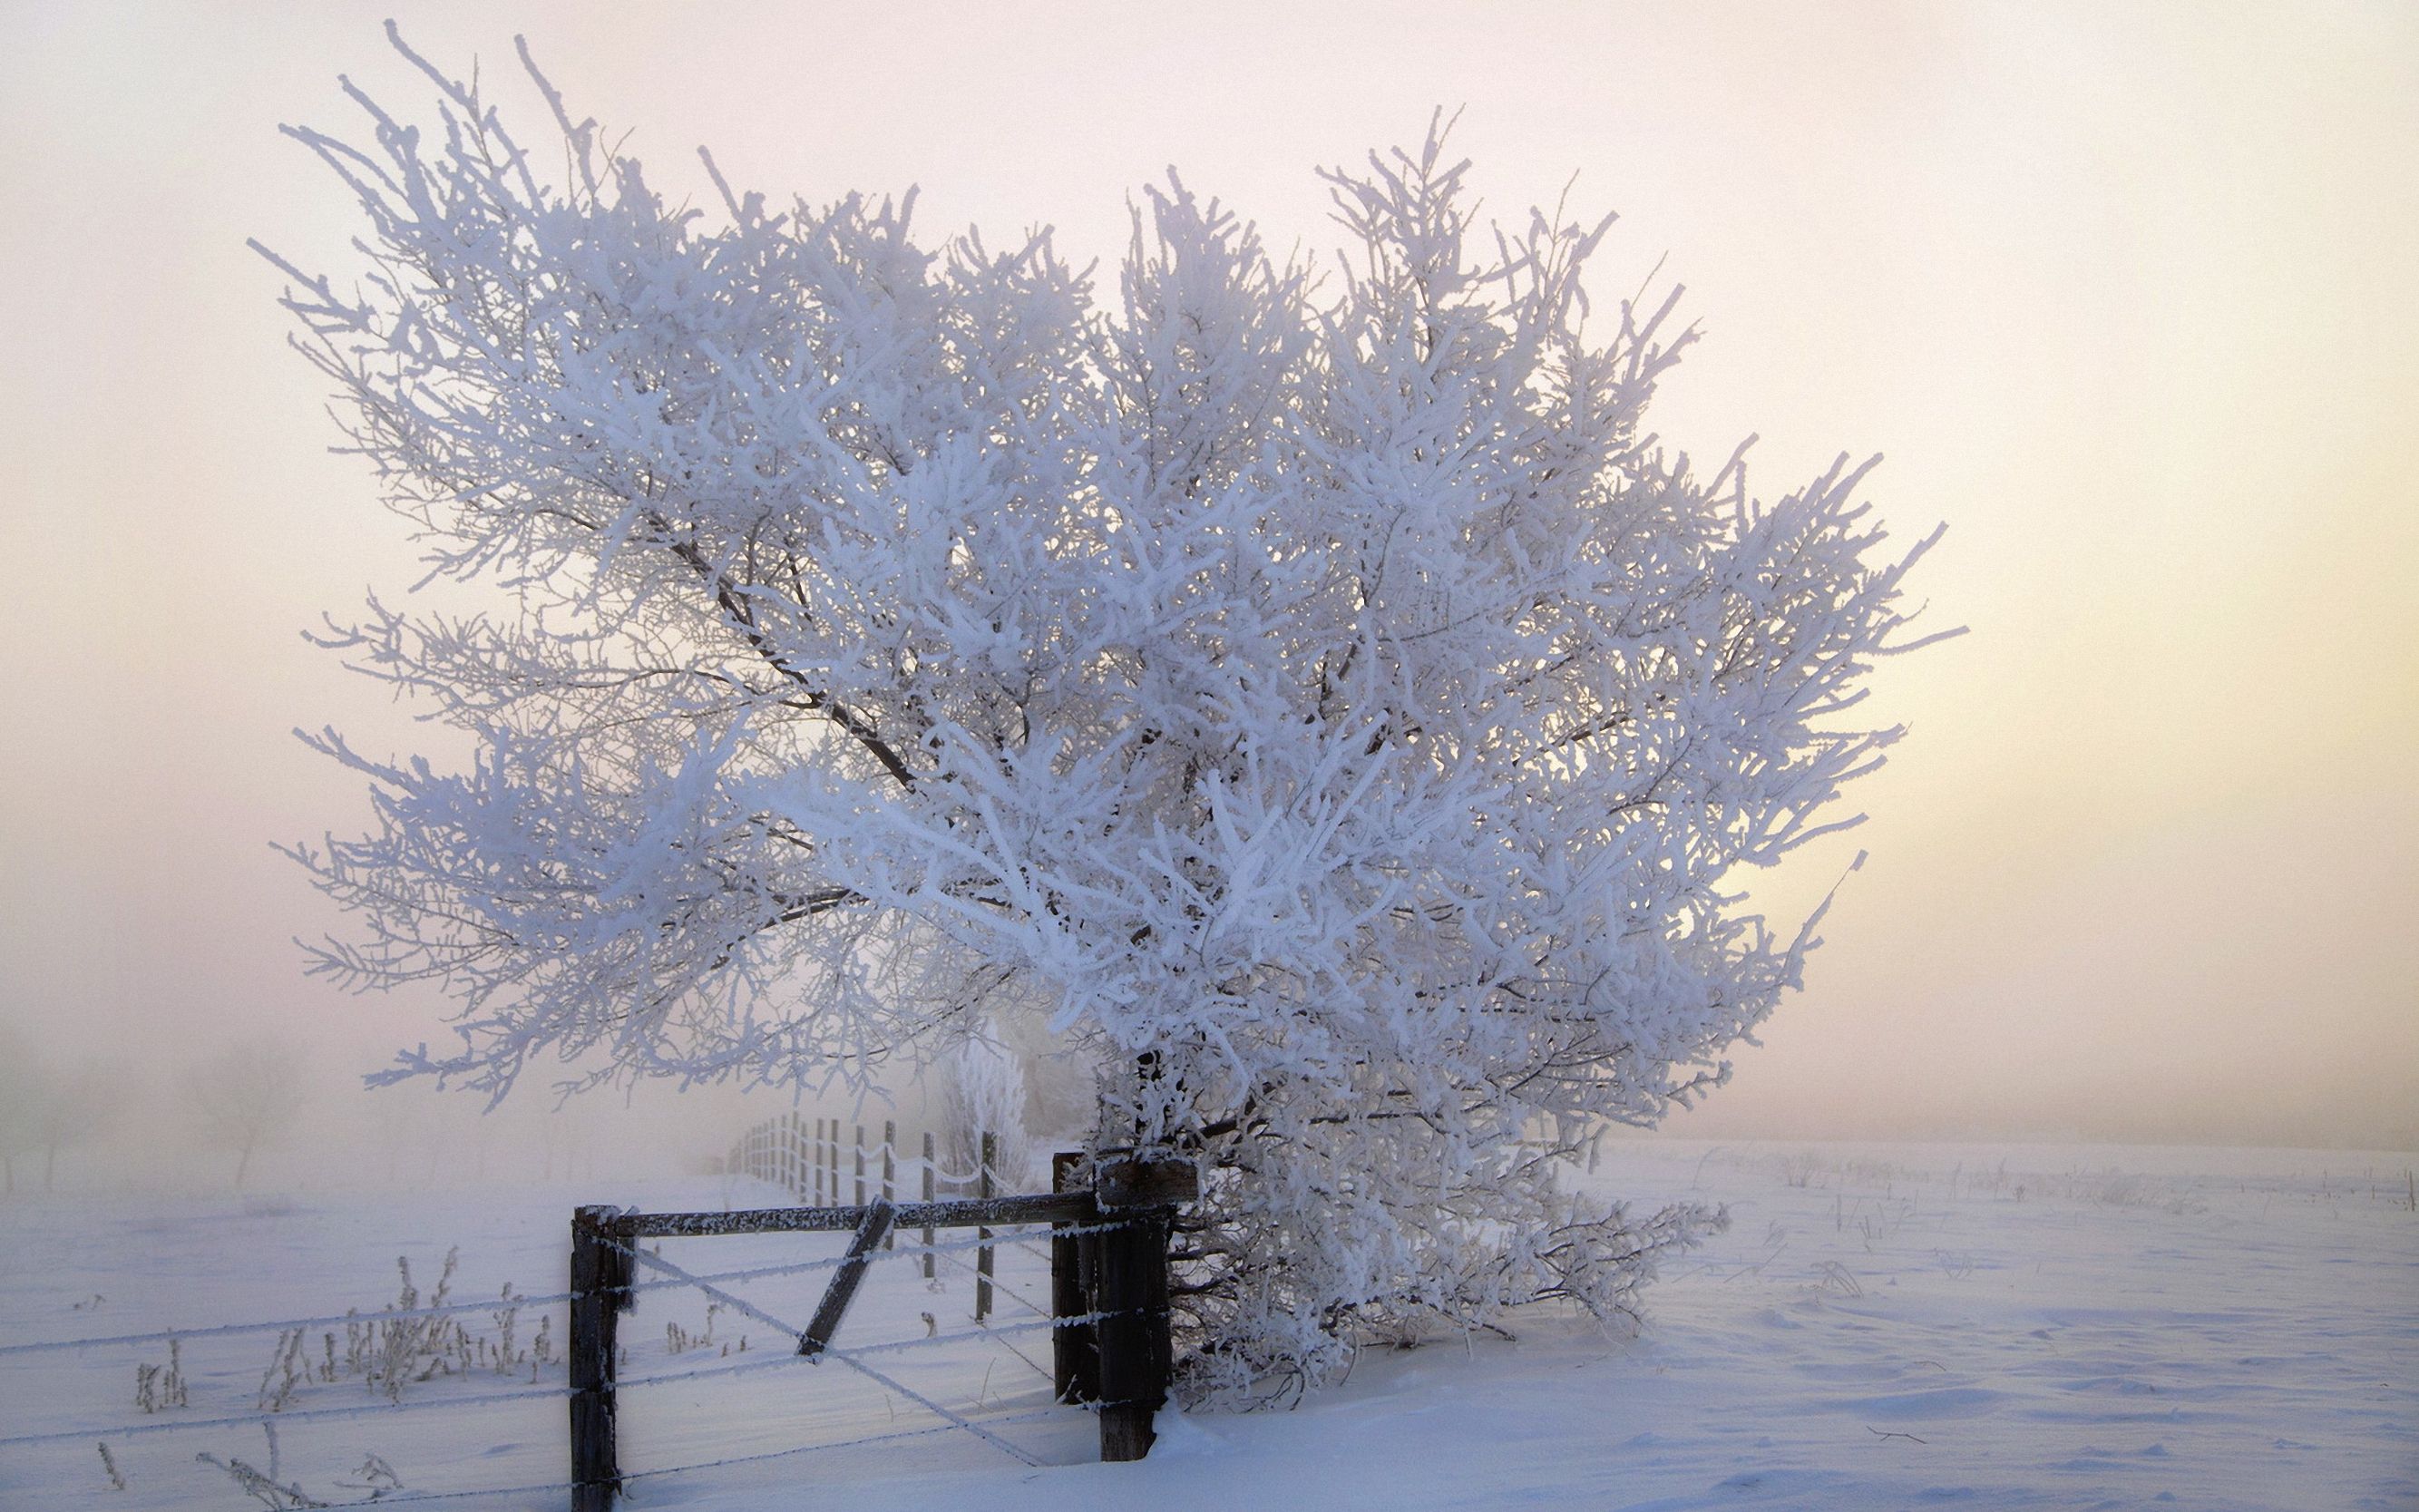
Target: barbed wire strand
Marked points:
120	1430
279	1325
886	1347
305	1414
843	1356
162	1336
997	1284
1010	1327
1035	1415
399	1498
677	1279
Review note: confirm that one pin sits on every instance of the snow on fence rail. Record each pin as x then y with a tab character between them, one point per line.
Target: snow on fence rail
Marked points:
1106	1312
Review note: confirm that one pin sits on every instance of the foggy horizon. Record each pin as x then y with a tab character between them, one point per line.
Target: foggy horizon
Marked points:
2118	292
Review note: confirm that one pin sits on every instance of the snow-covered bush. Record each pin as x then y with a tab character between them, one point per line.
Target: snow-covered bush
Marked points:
1325	691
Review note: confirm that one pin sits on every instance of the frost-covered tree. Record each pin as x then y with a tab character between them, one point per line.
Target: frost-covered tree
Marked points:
982	1092
1323	690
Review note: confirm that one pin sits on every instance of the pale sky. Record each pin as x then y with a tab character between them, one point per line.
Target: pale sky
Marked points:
2124	292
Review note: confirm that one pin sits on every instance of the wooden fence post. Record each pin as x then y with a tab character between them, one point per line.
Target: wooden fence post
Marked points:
1132	1291
860	1166
889	1171
928	1197
1074	1354
983	1188
872	1230
1129	1294
600	1276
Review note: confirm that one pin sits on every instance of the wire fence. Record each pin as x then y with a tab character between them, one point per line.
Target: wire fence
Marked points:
953	1415
817	1165
940	1249
846	1357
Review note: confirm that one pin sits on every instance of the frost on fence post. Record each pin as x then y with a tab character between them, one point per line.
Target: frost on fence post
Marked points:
986	1150
1074	1353
1134	1359
1318	684
600	1279
890	1170
927	1198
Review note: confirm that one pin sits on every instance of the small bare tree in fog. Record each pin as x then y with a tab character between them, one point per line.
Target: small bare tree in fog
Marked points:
1325	693
73	1109
20	1097
48	1108
245	1099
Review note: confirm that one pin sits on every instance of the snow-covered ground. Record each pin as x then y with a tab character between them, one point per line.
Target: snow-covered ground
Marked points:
1882	1326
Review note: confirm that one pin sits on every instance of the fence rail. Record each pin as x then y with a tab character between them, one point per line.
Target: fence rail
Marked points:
952	1212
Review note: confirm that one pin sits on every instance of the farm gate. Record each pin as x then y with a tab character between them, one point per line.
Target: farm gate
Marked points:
1105	1308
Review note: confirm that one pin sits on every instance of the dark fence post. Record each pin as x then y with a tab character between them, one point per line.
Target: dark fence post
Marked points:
600	1274
1129	1294
860	1166
1131	1289
890	1169
1074	1352
983	1188
928	1197
873	1230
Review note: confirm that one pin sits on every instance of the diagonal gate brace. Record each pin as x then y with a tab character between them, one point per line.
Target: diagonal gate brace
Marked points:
870	1234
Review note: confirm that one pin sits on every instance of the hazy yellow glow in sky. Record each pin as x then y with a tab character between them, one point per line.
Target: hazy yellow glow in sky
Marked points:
2124	292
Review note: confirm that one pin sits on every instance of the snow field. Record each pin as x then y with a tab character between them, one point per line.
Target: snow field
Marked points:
1882	1326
